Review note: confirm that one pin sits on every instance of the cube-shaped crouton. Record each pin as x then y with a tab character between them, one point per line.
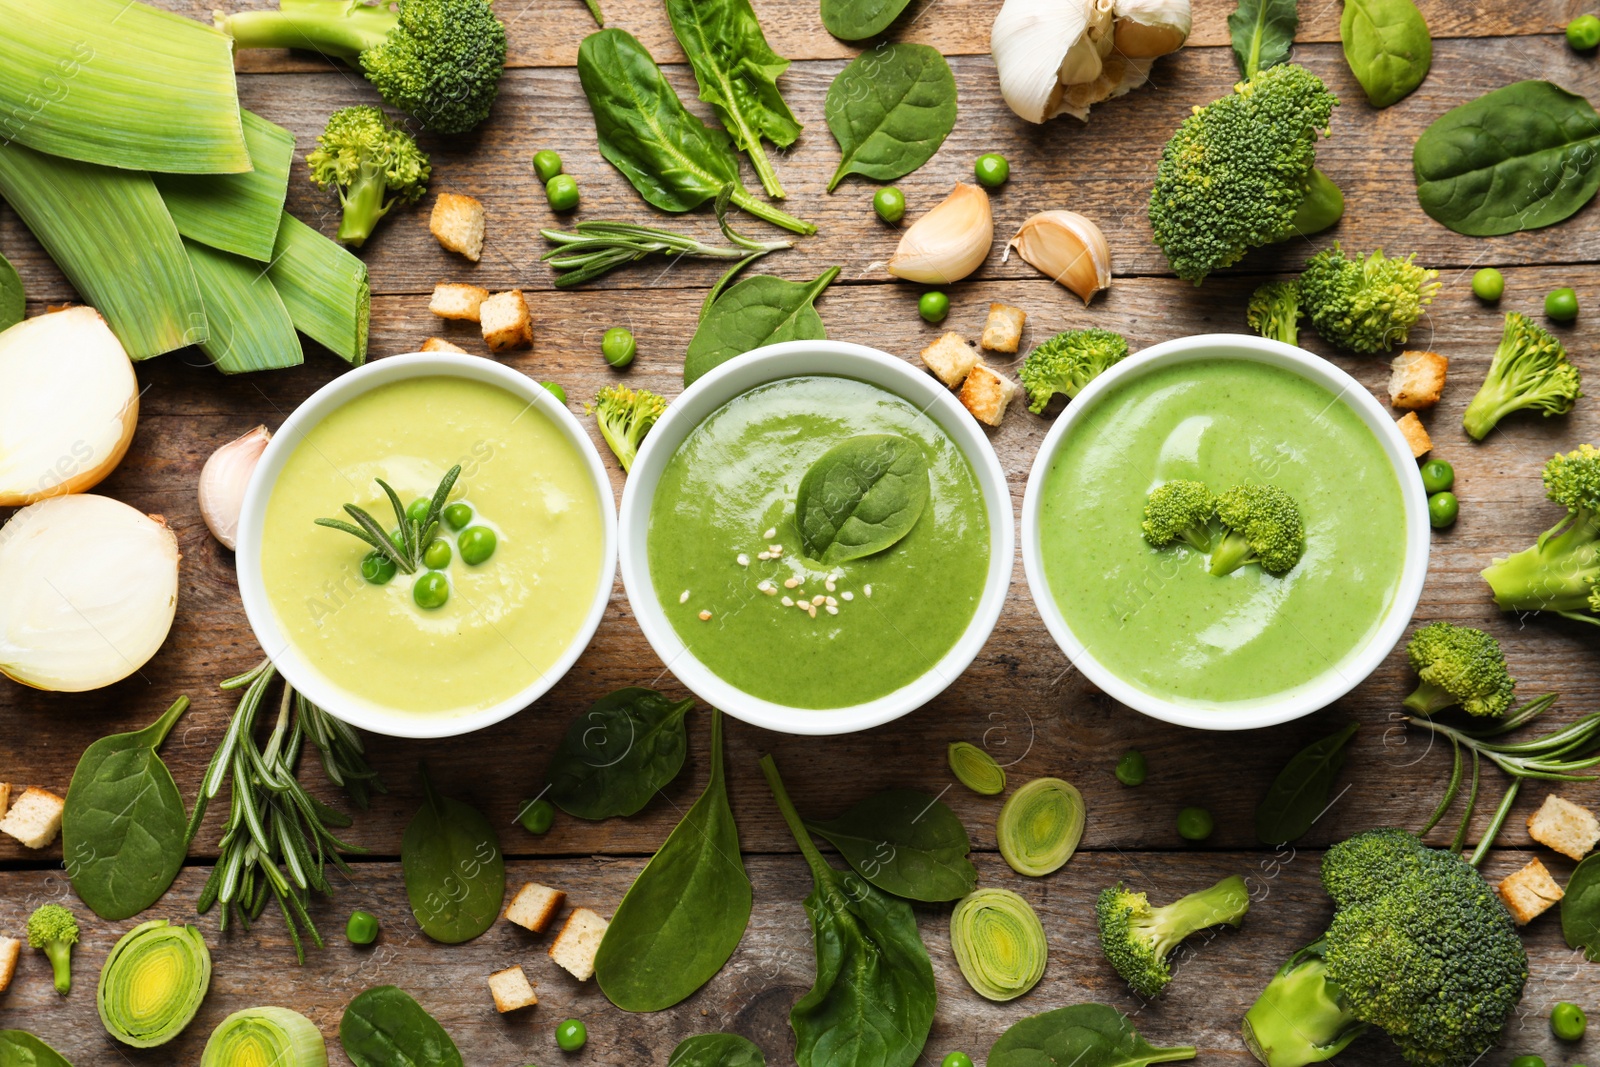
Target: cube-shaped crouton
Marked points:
1570	829
439	344
511	990
535	906
506	322
1529	893
5	797
1416	434
35	818
457	222
951	358
578	941
986	394
10	949
454	301
1002	332
1416	379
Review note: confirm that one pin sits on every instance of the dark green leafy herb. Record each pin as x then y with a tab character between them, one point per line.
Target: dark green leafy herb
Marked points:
415	534
760	310
861	497
906	843
386	1027
890	110
1387	45
1518	158
18	1048
716	1050
1081	1035
856	20
1300	792
454	871
13	303
1262	33
1580	908
617	755
685	913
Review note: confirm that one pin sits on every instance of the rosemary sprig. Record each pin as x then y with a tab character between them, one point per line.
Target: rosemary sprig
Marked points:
415	535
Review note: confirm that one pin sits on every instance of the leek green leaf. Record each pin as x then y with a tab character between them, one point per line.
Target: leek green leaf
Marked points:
716	1050
386	1027
454	871
268	1037
999	943
906	843
236	212
618	754
13	301
18	1048
324	287
249	327
153	982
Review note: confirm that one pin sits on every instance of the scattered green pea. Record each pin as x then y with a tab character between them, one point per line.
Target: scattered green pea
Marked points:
1131	768
571	1035
1528	1061
546	164
537	816
889	203
933	306
377	567
1437	476
1561	305
457	515
562	192
1488	284
556	390
1568	1022
1442	510
437	555
431	590
1195	824
956	1059
477	543
1583	33
362	929
992	170
618	346
417	511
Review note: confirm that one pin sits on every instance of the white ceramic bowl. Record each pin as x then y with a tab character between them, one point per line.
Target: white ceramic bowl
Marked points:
737	376
1363	660
263	619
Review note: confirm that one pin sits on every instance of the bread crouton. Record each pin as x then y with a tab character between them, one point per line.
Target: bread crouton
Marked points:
951	358
505	321
1416	379
1002	332
454	301
5	797
535	906
1529	893
1416	435
986	394
35	818
10	949
457	222
1569	828
578	941
439	344
511	990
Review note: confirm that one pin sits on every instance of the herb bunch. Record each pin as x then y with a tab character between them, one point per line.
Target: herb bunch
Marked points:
414	534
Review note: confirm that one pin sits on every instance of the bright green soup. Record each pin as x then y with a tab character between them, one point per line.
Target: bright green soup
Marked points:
733	480
1156	617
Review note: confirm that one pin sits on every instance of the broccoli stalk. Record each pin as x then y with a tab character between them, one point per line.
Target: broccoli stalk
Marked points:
1274	312
1458	667
1300	1017
373	163
1137	939
1322	206
1180	511
1262	525
1559	571
625	415
1067	362
1365	304
54	929
1530	370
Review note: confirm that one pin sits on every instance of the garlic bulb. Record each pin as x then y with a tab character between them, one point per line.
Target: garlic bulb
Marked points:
1146	29
949	242
68	405
223	480
91	589
1068	247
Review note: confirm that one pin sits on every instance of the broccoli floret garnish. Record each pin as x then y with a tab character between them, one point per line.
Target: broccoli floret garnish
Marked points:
1262	525
437	60
1067	362
1559	571
1459	667
1137	938
1419	947
1365	304
1240	173
625	415
55	930
1180	511
1274	311
373	163
1530	370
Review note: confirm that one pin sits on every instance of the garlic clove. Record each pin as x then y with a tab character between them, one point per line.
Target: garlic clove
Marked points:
1030	41
1149	28
948	243
1067	247
223	481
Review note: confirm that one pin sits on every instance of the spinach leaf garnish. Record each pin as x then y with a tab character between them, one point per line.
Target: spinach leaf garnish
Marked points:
861	497
25	1050
1388	47
1300	792
760	310
13	301
716	1050
1082	1035
890	110
1262	33
856	20
617	755
906	843
454	871
386	1027
1580	908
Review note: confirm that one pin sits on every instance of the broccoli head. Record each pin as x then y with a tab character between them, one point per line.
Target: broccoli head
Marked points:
373	163
1559	571
1240	173
1459	667
1180	511
1530	370
1261	525
54	929
1067	362
1138	939
1274	311
437	60
1419	947
1365	304
625	415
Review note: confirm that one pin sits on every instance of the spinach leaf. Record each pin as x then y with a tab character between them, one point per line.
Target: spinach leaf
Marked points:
454	871
760	310
861	497
386	1027
686	912
1262	33
13	301
673	159
738	75
1300	792
716	1050
594	9
1518	158
18	1048
1580	908
906	843
123	830
874	997
617	755
856	20
1387	45
1081	1035
890	110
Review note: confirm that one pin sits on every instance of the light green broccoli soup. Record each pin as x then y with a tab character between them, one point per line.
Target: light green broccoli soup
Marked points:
1157	618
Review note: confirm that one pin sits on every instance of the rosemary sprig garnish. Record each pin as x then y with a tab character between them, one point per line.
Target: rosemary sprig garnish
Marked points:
415	535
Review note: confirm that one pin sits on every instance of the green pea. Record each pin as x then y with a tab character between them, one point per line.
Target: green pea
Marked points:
556	391
933	306
546	164
1442	510
477	543
1488	284
537	816
431	590
571	1035
418	509
1131	768
992	170
377	567
956	1059
362	929
618	346
1528	1061
562	192
1568	1022
1583	33
457	516
1561	305
1437	476
889	203
1195	824
436	556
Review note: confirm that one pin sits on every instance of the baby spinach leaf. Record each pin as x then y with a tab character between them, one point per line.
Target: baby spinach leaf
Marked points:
856	20
123	830
686	912
1081	1035
1300	792
1518	158
617	755
1580	908
386	1027
716	1050
13	301
861	496
874	997
906	843
1262	33
454	871
890	110
1388	47
18	1048
760	310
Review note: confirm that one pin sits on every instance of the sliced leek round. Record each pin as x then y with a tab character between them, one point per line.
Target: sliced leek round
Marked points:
265	1037
1040	826
153	983
999	943
976	769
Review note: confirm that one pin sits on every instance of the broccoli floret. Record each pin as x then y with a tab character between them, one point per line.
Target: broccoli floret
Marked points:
1067	362
1137	938
373	163
55	930
1419	947
1365	304
1459	667
625	415
1262	525
437	60
1180	511
1275	311
1559	571
1530	370
1240	173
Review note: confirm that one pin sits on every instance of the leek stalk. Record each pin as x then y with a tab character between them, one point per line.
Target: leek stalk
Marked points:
153	983
250	328
265	1037
236	212
324	287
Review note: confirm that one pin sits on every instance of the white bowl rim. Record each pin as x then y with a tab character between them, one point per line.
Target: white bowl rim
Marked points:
258	608
1335	682
792	359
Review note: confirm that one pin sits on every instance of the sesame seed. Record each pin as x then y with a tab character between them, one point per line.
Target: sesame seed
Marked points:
811	610
832	610
768	588
763	555
847	595
705	616
829	585
832	603
787	602
791	583
803	606
770	534
776	550
818	599
867	590
683	598
743	560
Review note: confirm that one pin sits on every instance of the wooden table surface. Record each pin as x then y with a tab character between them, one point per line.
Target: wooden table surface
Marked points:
1020	697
